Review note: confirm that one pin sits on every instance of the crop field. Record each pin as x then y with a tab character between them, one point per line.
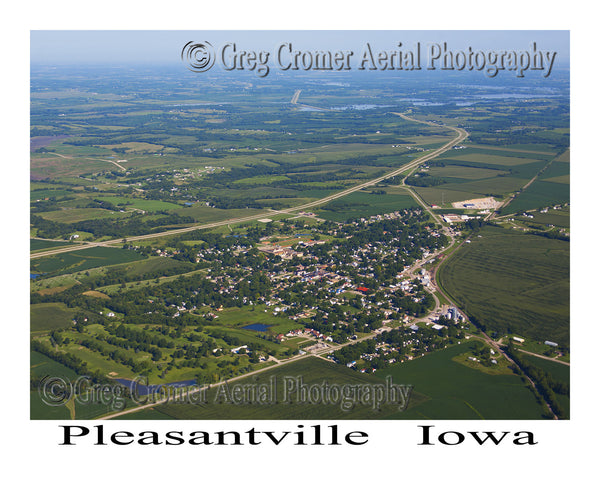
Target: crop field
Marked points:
477	158
204	214
558	218
362	204
512	282
37	244
79	214
311	371
146	205
443	389
120	154
50	316
539	194
450	390
467	173
441	196
480	171
71	262
42	193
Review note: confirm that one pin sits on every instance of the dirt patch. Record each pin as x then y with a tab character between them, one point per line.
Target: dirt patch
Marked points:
94	293
478	203
50	291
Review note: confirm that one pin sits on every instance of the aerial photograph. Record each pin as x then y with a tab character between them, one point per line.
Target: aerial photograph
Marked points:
288	225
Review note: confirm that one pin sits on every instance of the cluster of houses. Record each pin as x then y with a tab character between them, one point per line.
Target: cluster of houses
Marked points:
305	332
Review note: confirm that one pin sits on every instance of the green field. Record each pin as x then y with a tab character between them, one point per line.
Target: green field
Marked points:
552	187
443	389
138	203
310	371
558	371
74	215
454	391
362	204
50	316
540	193
71	262
512	282
37	244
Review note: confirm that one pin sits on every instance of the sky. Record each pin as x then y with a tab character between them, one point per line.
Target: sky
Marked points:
163	47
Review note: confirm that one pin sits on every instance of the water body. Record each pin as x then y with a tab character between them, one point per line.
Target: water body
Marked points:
34	275
366	106
257	327
427	104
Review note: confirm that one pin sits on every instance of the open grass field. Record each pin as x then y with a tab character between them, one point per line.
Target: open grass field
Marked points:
512	282
71	262
241	317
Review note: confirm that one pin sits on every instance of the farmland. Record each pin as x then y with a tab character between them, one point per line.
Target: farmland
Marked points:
442	389
512	282
71	262
119	164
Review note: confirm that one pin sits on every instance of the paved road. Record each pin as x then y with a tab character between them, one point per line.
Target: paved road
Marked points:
461	135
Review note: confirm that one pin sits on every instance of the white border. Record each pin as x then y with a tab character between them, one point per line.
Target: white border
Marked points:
564	446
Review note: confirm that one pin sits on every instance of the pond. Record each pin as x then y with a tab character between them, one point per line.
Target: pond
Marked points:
257	327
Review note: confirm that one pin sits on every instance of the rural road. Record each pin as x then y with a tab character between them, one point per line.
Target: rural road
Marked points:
461	135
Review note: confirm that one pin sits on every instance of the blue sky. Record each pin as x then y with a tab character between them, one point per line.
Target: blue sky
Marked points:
142	46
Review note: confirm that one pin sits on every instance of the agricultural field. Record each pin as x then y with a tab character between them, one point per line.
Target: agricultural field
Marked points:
473	171
119	163
557	371
450	390
551	188
442	389
363	204
50	316
71	262
37	244
310	371
512	282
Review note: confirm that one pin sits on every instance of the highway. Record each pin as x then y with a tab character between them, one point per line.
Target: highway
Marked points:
461	136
